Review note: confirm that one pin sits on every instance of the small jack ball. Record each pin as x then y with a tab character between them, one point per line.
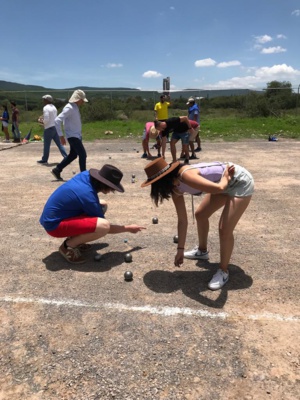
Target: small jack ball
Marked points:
128	276
97	257
128	257
175	239
155	220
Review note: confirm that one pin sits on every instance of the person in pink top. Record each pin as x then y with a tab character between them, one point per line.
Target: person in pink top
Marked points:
226	185
150	133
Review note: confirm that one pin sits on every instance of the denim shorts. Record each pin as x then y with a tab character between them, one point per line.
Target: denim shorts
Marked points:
184	137
241	184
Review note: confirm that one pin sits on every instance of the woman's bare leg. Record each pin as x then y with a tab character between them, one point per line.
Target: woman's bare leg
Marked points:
233	210
209	205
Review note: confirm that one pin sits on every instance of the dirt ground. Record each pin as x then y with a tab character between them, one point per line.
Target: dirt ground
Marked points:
82	332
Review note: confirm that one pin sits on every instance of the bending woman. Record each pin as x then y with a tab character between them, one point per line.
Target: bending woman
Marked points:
228	186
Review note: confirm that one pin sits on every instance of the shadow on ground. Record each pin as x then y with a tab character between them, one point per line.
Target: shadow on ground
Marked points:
194	283
55	262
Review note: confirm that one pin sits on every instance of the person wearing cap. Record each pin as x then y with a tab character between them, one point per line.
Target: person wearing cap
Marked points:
71	120
74	211
226	185
161	113
150	133
182	128
194	115
48	121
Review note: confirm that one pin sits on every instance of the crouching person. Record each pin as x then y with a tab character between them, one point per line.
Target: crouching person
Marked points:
74	211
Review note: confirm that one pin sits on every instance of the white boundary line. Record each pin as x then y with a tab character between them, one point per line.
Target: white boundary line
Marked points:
165	311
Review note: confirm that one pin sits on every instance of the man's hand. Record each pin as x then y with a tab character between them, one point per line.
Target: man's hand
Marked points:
134	228
63	140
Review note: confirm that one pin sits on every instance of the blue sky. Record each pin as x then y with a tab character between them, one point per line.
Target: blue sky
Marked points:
217	44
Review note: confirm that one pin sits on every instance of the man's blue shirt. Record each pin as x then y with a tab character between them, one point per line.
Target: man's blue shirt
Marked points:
194	111
73	198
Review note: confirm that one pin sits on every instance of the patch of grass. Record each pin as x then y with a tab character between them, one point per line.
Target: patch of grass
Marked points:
233	129
228	128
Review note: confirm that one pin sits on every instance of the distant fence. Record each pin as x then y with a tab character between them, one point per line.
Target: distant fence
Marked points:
106	102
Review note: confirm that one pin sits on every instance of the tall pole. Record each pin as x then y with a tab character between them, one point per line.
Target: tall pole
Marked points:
297	100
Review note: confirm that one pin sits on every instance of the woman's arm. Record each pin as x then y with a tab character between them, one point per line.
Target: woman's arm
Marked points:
182	225
192	178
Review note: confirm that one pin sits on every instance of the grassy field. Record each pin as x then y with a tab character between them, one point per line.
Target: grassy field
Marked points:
228	128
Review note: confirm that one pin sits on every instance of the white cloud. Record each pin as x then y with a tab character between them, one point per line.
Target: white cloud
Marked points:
113	65
151	74
273	50
281	36
296	13
263	39
206	62
227	64
260	78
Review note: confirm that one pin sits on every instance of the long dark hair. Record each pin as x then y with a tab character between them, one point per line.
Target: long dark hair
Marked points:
162	189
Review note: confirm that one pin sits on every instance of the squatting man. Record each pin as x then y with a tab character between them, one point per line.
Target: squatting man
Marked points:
74	211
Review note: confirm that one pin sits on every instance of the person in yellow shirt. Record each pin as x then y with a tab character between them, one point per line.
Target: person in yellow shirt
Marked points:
161	113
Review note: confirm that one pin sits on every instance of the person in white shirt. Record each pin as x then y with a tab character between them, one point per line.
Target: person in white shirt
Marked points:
71	120
50	133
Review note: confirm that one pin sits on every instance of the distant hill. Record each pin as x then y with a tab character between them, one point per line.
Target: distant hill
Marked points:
185	93
11	86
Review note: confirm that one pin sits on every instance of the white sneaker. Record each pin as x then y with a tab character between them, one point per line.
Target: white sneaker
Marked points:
196	254
218	280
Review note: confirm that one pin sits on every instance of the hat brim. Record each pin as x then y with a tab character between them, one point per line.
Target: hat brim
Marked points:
170	169
73	99
95	174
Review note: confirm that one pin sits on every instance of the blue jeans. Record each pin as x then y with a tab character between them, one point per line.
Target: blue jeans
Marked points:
15	130
76	149
49	135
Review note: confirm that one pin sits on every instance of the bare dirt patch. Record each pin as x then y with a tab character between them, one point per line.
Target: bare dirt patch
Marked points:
84	333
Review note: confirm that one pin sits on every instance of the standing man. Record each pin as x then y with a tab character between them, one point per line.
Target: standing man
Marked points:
161	113
194	115
70	118
15	123
48	120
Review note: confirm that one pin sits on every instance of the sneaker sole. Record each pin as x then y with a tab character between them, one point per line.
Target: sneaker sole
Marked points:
71	262
218	288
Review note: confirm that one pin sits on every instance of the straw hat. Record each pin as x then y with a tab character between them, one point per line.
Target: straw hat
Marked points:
157	169
78	95
153	132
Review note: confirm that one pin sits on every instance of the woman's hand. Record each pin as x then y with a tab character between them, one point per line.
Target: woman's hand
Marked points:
179	258
229	172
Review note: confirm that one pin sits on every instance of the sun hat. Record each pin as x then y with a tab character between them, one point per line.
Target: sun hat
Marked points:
78	95
109	175
190	100
48	97
158	168
153	132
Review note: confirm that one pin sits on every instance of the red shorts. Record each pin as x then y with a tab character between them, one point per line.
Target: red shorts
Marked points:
75	226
